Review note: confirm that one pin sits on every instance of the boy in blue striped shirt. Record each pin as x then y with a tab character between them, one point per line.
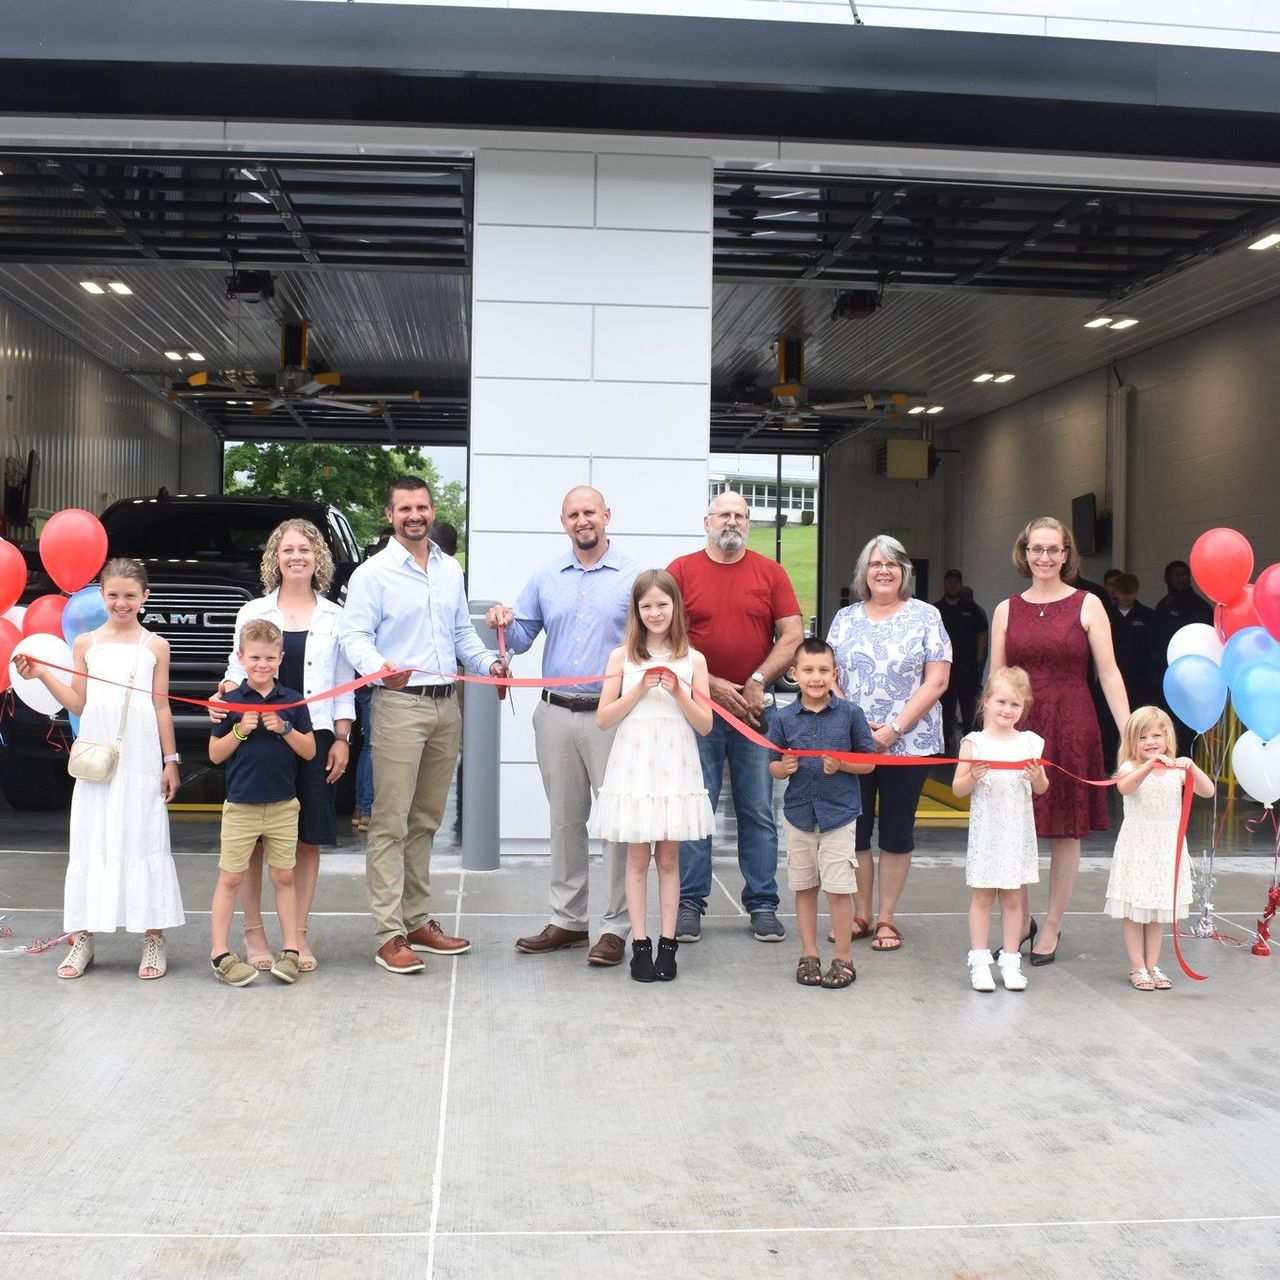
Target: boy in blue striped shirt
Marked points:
820	807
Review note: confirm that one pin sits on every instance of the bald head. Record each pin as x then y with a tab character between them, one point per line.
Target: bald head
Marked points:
585	518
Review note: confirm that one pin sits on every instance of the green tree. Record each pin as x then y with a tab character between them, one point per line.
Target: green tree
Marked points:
351	478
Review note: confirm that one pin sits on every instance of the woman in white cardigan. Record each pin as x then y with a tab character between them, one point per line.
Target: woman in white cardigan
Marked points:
296	569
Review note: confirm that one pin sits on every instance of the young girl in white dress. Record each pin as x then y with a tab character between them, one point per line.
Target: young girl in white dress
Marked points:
652	794
120	873
1140	888
1002	856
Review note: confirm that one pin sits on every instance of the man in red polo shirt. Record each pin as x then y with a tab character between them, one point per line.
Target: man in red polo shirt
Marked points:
745	619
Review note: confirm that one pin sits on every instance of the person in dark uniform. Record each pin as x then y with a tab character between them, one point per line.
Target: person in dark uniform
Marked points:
1180	606
966	625
1133	636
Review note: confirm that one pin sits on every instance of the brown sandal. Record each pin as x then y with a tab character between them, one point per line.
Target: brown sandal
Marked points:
891	941
861	929
840	975
809	971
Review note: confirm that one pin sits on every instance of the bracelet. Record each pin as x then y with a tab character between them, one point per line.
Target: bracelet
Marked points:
235	733
342	737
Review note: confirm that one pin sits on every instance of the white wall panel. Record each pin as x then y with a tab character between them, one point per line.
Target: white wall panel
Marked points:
537	188
663	485
671	193
631	268
652	344
528	340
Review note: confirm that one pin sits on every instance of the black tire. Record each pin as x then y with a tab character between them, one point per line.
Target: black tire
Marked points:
36	785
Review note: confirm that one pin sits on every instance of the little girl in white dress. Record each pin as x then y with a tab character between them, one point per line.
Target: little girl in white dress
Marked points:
1002	854
652	796
120	872
1140	889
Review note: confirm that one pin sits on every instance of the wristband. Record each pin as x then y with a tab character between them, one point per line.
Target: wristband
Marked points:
235	733
342	737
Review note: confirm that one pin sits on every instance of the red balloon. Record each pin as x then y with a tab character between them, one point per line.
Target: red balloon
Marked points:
1266	599
13	575
1233	617
44	613
9	636
1221	562
73	547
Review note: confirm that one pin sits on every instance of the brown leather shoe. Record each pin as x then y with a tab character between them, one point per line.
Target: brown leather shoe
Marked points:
552	938
395	956
431	937
609	950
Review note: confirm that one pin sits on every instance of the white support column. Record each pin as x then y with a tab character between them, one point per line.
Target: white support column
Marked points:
590	363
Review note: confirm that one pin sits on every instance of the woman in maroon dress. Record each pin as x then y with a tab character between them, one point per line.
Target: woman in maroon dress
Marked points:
1052	630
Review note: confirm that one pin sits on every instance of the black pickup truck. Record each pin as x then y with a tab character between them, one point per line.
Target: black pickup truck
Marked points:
203	555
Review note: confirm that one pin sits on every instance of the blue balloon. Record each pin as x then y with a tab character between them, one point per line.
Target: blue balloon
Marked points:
1256	698
1196	691
1253	644
84	611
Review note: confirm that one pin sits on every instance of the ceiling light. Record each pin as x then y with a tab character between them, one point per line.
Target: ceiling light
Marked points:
91	286
119	287
1005	377
1098	322
194	355
173	355
1124	322
984	377
934	408
1267	242
919	408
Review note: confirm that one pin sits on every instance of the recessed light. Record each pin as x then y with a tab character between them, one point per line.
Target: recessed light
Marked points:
1124	322
1098	322
194	355
984	377
119	287
173	355
934	408
1267	242
91	286
919	408
1005	377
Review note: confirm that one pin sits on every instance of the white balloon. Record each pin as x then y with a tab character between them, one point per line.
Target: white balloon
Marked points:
1198	638
1256	765
47	648
15	615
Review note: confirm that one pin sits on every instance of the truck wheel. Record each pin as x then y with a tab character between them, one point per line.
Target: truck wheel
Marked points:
35	785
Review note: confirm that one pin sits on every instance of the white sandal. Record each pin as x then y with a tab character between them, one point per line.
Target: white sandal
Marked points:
79	958
153	957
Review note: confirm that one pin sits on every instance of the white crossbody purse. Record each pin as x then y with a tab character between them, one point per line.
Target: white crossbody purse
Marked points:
97	761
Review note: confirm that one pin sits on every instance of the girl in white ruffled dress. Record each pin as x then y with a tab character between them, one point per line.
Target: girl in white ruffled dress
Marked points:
120	873
653	796
1002	856
1140	889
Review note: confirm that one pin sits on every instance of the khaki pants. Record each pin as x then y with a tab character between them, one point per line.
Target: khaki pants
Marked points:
415	747
572	753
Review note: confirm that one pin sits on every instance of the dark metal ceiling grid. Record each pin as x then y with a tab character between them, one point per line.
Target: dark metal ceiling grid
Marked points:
863	232
247	211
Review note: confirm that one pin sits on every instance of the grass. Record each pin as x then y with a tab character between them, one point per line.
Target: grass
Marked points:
799	559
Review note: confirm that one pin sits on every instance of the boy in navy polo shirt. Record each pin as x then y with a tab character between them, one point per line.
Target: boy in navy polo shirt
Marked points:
261	749
821	806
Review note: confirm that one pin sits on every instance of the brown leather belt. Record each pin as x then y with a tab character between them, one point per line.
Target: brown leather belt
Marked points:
570	701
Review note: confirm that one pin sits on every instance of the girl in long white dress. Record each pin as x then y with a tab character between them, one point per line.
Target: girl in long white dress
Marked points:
1140	889
1002	855
120	873
653	796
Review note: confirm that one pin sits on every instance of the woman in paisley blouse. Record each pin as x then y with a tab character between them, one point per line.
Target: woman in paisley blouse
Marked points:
894	658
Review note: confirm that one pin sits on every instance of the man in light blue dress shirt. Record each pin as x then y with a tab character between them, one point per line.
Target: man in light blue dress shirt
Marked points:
407	616
581	601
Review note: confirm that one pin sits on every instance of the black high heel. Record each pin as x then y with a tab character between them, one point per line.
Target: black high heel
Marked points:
1039	958
1031	934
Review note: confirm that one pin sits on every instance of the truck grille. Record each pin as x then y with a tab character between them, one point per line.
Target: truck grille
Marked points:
198	621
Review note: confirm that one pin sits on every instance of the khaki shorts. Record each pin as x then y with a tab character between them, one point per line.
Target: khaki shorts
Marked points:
821	859
243	825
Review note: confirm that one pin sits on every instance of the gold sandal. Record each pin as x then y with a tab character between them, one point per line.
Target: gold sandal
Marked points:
1140	980
307	964
261	960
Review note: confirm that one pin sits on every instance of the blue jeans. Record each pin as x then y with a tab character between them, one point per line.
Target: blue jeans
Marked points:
752	789
364	765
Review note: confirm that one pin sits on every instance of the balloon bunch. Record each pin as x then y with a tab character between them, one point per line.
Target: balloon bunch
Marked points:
73	547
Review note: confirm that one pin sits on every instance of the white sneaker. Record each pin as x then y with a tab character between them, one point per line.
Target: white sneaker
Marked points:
980	977
1011	971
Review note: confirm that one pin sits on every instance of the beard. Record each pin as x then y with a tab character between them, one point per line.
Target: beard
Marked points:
729	540
586	541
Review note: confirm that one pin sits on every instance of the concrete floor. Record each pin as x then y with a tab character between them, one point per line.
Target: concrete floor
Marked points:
508	1115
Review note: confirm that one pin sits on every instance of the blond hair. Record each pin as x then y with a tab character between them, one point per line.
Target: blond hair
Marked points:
1017	680
1140	722
321	575
260	631
1070	570
635	640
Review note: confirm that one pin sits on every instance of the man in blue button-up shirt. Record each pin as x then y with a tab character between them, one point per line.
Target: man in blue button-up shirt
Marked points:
407	616
581	601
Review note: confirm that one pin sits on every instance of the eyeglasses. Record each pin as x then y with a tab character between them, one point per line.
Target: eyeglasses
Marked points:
726	516
876	566
1037	553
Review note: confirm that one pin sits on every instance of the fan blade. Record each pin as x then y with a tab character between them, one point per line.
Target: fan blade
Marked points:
371	410
318	383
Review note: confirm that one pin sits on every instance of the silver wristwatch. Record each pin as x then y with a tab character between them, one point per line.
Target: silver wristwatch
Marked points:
175	758
896	727
758	678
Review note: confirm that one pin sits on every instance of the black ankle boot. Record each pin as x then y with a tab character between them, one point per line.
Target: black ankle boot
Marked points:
664	967
642	960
